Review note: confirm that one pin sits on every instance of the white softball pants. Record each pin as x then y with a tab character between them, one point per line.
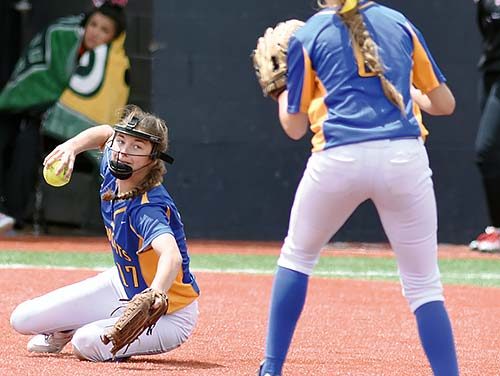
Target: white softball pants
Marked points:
395	175
88	308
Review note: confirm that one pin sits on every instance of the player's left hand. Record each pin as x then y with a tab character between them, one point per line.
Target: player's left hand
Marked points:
141	313
270	57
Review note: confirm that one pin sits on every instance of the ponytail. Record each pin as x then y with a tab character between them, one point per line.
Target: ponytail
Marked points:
369	50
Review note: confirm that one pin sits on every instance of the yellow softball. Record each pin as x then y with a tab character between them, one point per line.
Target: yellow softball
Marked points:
50	176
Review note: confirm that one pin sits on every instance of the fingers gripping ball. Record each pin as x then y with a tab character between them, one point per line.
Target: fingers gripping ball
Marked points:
270	57
53	179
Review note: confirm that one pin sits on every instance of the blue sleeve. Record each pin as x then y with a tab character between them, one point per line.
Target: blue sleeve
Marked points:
149	222
295	74
301	79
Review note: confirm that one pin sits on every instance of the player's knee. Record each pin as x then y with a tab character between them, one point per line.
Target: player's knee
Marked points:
183	334
82	345
294	258
87	344
22	318
78	354
419	291
296	264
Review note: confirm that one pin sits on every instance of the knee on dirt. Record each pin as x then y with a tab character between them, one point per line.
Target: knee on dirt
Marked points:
87	344
23	318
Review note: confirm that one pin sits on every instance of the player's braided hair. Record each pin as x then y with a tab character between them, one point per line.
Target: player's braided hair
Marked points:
360	35
152	125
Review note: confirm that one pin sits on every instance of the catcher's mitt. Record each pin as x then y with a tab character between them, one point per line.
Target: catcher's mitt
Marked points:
269	57
140	314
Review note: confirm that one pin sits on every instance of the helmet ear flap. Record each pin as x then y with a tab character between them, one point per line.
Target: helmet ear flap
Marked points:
154	151
157	154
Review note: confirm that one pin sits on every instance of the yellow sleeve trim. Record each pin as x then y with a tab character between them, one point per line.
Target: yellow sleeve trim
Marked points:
145	198
424	77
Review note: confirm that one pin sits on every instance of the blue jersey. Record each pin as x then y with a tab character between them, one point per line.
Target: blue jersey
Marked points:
328	80
131	225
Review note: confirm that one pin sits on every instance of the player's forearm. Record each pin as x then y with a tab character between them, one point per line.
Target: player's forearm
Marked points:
167	270
66	152
420	99
294	125
439	101
92	138
169	262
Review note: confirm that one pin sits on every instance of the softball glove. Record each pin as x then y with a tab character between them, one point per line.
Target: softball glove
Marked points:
141	313
270	57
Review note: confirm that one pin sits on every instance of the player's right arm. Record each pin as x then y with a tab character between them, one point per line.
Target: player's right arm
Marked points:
92	138
294	102
295	125
433	96
439	101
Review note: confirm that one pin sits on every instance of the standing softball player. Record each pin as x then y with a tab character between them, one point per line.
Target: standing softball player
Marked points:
350	69
148	244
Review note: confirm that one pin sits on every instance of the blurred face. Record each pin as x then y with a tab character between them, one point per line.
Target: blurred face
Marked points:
100	29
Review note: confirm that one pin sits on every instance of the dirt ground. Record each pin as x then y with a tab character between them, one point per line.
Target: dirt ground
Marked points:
347	327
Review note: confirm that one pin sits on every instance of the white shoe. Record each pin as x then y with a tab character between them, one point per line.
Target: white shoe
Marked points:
6	223
49	343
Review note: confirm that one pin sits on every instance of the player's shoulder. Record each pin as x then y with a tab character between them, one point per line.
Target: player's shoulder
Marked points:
377	10
328	18
157	195
155	200
314	26
317	22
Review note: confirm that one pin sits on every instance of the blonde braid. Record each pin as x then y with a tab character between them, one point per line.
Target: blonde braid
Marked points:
154	177
369	50
108	195
360	35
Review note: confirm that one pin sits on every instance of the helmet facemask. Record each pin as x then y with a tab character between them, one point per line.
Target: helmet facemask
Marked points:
123	171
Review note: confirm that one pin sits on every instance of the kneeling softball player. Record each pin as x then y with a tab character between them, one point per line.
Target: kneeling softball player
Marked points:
149	250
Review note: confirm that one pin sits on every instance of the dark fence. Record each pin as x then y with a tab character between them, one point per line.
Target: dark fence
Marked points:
236	172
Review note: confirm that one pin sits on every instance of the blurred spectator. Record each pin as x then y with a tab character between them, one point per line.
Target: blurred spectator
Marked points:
72	75
488	136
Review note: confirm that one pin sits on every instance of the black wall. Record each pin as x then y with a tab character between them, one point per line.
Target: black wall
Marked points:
236	172
10	38
59	206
